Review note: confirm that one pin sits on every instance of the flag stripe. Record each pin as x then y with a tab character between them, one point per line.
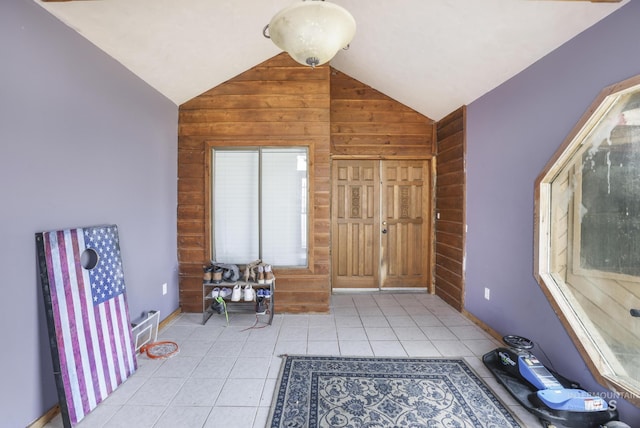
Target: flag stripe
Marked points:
112	341
120	343
128	343
84	334
57	303
67	327
76	346
105	349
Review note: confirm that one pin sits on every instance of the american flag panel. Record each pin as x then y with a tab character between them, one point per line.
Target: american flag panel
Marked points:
89	328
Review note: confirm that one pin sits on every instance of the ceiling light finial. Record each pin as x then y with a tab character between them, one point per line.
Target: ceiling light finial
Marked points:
312	32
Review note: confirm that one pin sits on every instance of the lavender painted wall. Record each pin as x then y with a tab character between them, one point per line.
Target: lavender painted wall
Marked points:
512	132
82	142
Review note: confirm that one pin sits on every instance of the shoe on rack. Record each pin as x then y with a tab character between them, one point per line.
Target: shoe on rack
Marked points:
249	273
216	276
206	278
218	306
214	293
261	274
268	274
249	294
265	293
261	308
236	293
225	292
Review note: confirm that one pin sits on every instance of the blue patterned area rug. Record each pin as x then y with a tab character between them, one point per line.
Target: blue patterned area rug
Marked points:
359	392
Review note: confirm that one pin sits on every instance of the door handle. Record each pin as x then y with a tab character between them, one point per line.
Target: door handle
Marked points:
635	312
384	231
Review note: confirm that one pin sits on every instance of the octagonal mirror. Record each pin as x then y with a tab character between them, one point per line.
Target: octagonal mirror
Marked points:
588	236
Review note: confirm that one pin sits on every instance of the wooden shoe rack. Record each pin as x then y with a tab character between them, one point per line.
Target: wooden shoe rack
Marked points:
241	306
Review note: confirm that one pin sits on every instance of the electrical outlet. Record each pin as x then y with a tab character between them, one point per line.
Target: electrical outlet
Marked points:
487	293
164	288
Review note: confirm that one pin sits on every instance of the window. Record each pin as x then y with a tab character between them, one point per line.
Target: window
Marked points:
588	236
260	198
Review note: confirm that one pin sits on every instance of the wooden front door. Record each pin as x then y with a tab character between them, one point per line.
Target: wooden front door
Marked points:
381	224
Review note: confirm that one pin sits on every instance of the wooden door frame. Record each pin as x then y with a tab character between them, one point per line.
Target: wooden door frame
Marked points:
431	212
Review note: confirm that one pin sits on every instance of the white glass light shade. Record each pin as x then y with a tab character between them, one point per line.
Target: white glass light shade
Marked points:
312	32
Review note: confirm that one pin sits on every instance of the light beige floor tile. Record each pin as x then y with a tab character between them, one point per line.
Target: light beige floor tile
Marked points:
198	392
293	333
135	416
351	333
420	348
380	333
364	300
181	416
156	392
401	321
345	311
438	333
295	320
426	320
327	333
372	311
126	390
409	333
290	347
225	348
255	348
241	393
355	348
178	367
214	367
348	321
96	419
322	320
387	348
262	416
466	332
230	416
267	393
452	348
323	348
374	321
454	320
250	368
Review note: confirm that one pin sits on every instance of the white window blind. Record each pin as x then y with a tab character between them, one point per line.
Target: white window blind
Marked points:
260	205
235	206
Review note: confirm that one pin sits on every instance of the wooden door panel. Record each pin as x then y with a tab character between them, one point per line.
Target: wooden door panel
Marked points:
355	224
369	196
406	217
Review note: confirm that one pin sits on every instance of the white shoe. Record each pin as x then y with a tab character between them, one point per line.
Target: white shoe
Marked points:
236	293
249	293
225	292
268	274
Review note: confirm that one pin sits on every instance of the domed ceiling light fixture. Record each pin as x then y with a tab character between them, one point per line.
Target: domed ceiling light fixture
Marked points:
311	31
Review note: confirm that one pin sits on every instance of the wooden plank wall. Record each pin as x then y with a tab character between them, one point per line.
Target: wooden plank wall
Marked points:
275	103
450	208
280	102
365	123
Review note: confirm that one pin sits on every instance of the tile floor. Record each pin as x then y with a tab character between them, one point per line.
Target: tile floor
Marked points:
224	376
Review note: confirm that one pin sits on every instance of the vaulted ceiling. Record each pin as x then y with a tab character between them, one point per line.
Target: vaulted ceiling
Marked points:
432	55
